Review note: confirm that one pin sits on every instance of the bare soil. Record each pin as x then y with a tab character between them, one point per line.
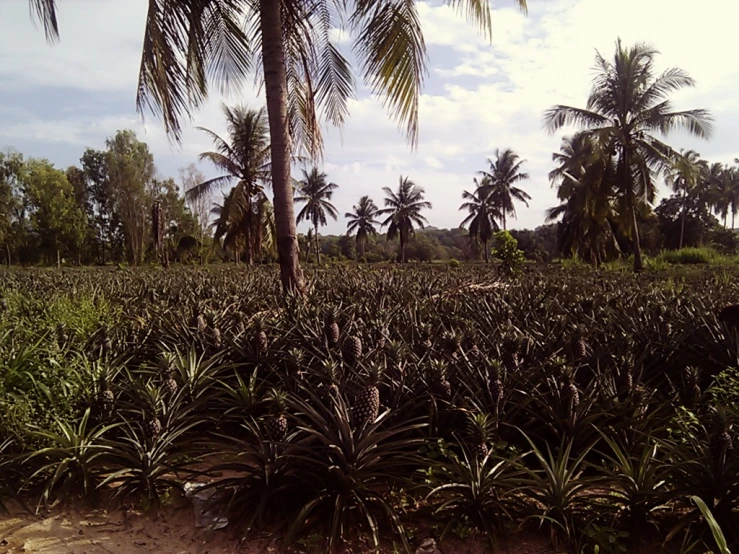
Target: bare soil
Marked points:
127	531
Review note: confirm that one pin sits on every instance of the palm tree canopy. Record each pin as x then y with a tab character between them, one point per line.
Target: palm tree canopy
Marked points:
315	192
684	171
191	45
244	157
362	218
403	208
482	211
506	170
626	106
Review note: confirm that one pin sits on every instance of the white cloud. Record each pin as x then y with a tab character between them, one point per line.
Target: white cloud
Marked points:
480	95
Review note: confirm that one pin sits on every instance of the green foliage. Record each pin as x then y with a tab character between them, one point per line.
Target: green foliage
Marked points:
506	251
131	383
689	256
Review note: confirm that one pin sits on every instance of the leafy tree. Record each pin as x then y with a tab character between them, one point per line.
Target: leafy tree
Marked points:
362	220
584	178
483	211
243	159
507	252
504	173
53	211
627	104
403	209
316	193
106	219
684	221
187	44
11	167
131	170
683	174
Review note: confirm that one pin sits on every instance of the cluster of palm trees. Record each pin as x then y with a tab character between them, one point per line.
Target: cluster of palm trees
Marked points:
402	207
606	174
244	222
492	200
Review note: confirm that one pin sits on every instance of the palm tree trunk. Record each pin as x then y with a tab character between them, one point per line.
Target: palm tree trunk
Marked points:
486	257
638	266
504	227
275	84
361	250
732	220
7	253
315	240
682	230
402	250
58	258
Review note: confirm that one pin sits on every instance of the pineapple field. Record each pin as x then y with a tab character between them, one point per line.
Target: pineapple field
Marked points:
388	404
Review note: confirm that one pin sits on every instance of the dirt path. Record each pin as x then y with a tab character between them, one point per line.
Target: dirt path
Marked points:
74	531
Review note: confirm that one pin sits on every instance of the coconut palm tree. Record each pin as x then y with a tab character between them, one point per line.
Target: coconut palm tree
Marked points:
316	193
189	45
483	211
244	159
504	172
235	229
584	176
682	174
362	220
626	106
403	209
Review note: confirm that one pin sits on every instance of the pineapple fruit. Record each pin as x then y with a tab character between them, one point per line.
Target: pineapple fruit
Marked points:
276	424
479	432
367	403
331	328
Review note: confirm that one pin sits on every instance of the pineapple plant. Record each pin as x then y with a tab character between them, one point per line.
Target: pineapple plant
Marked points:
570	390
105	396
331	327
720	426
692	387
495	382
201	324
215	334
276	424
152	426
294	361
169	385
261	342
153	407
479	431
439	383
509	353
353	349
367	402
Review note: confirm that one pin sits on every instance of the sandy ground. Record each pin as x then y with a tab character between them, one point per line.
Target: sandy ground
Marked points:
74	531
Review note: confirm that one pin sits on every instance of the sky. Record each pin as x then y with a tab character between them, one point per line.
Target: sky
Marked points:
479	95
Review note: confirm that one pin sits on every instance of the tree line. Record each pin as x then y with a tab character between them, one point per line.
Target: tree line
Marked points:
98	212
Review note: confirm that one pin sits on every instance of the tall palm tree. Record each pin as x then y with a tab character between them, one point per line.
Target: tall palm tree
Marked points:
362	220
504	172
243	158
190	44
235	230
627	104
403	209
682	174
483	211
584	176
316	193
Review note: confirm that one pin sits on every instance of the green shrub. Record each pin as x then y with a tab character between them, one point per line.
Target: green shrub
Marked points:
689	256
506	250
453	263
